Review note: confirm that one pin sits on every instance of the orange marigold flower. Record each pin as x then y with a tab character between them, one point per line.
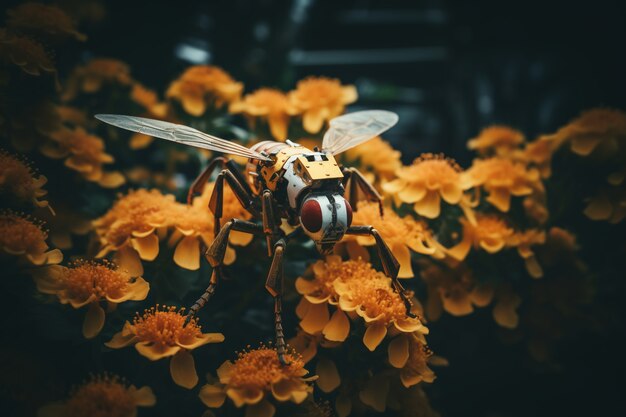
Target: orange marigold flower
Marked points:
319	99
130	227
270	105
92	76
411	355
24	52
401	234
41	19
249	380
489	232
103	396
85	154
453	288
426	181
86	283
498	140
539	153
204	85
597	129
18	179
378	155
25	237
357	289
503	178
194	226
162	331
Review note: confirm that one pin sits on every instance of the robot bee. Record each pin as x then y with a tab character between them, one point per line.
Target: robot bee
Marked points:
283	182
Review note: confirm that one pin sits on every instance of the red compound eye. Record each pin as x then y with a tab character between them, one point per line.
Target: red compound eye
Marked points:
311	216
349	212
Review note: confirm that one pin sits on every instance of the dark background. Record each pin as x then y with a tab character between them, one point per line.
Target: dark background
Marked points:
449	69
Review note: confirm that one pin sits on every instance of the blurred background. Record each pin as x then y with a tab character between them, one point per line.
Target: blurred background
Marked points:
448	68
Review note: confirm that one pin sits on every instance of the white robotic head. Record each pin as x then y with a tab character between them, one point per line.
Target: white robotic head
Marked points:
325	217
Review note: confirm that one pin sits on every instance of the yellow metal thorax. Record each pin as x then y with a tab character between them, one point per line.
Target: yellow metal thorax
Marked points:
271	174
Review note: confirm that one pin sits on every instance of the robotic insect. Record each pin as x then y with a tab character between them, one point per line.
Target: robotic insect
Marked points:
283	181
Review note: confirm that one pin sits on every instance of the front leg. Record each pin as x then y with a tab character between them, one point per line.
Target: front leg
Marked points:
391	266
355	181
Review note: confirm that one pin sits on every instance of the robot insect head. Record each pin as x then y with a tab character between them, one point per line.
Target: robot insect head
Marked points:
324	214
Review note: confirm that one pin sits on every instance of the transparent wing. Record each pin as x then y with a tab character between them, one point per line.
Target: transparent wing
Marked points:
352	129
178	133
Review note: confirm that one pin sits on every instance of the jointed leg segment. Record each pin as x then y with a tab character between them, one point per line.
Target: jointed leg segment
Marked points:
355	181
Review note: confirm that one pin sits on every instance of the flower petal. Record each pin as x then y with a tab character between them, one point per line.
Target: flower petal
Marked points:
147	247
429	206
224	372
374	335
200	340
187	254
144	397
315	319
212	396
312	121
375	393
127	258
183	369
338	328
403	255
329	378
343	406
500	198
155	352
412	193
451	192
398	351
94	321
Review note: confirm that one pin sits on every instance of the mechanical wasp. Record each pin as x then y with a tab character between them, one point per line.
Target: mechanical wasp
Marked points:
283	181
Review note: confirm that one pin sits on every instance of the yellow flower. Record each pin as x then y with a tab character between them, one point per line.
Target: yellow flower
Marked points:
85	154
523	241
453	288
98	72
86	283
130	227
37	18
489	232
202	85
498	140
412	356
598	129
24	52
503	178
194	227
401	234
426	181
269	105
253	376
18	179
359	290
103	396
22	236
319	99
378	155
161	332
539	153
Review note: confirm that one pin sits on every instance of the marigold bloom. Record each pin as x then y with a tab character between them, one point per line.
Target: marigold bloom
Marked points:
378	155
22	236
41	19
453	288
19	180
357	289
401	234
92	76
319	99
103	396
249	380
497	139
489	232
539	153
204	85
24	52
86	283
161	332
412	355
85	154
595	129
130	227
270	105
503	178
426	181
194	226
